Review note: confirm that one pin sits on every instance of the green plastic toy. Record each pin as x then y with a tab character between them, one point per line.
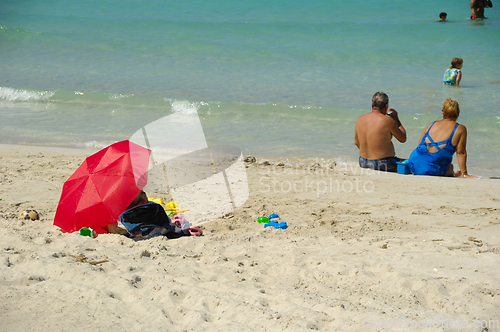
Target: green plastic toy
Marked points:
263	220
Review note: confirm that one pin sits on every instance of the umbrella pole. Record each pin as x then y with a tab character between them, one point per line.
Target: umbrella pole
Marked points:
168	192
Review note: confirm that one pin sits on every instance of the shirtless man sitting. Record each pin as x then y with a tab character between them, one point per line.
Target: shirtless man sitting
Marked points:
373	135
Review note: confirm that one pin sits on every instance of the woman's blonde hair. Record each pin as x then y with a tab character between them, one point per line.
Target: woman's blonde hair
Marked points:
451	110
456	62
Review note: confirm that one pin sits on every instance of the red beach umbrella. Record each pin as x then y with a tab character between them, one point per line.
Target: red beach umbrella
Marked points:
103	187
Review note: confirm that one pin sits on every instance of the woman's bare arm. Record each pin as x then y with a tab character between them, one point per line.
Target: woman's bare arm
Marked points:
462	154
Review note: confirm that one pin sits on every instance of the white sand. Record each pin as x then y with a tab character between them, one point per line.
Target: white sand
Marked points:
400	247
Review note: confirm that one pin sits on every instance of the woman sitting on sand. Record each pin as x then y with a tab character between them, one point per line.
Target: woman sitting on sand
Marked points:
440	140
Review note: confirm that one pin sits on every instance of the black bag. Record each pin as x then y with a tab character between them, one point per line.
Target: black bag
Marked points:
489	4
149	220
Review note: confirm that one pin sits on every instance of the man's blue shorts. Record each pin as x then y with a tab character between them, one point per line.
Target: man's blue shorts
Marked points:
388	164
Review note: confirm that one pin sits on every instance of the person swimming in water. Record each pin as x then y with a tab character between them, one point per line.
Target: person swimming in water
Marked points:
442	17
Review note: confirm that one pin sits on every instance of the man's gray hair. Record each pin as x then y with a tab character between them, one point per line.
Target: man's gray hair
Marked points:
380	100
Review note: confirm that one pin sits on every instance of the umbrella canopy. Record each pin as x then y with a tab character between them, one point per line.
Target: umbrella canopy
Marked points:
103	187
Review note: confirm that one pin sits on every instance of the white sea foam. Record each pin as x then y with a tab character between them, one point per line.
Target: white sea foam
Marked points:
93	144
10	94
183	106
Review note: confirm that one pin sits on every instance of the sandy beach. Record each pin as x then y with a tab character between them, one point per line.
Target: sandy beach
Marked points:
363	251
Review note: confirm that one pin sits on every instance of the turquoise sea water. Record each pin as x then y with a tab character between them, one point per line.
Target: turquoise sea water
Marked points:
274	78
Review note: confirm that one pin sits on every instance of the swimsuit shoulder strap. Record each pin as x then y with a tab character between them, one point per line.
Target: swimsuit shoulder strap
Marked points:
430	127
427	135
453	132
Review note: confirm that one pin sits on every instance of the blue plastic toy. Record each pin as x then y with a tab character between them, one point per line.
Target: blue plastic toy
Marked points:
276	224
273	216
274	221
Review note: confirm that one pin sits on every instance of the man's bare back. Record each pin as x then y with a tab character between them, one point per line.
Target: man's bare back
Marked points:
374	131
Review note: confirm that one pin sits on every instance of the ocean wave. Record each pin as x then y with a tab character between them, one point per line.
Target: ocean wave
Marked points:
81	97
15	31
184	106
93	144
10	94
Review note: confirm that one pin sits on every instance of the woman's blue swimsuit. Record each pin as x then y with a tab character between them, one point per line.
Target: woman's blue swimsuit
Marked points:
423	162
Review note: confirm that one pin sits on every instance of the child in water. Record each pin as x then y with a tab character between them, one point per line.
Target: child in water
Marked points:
453	75
442	17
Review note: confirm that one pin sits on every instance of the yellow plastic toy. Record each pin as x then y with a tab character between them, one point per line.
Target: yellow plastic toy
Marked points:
171	208
156	200
174	207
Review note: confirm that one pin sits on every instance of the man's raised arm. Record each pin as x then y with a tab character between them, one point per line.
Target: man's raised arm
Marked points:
398	131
